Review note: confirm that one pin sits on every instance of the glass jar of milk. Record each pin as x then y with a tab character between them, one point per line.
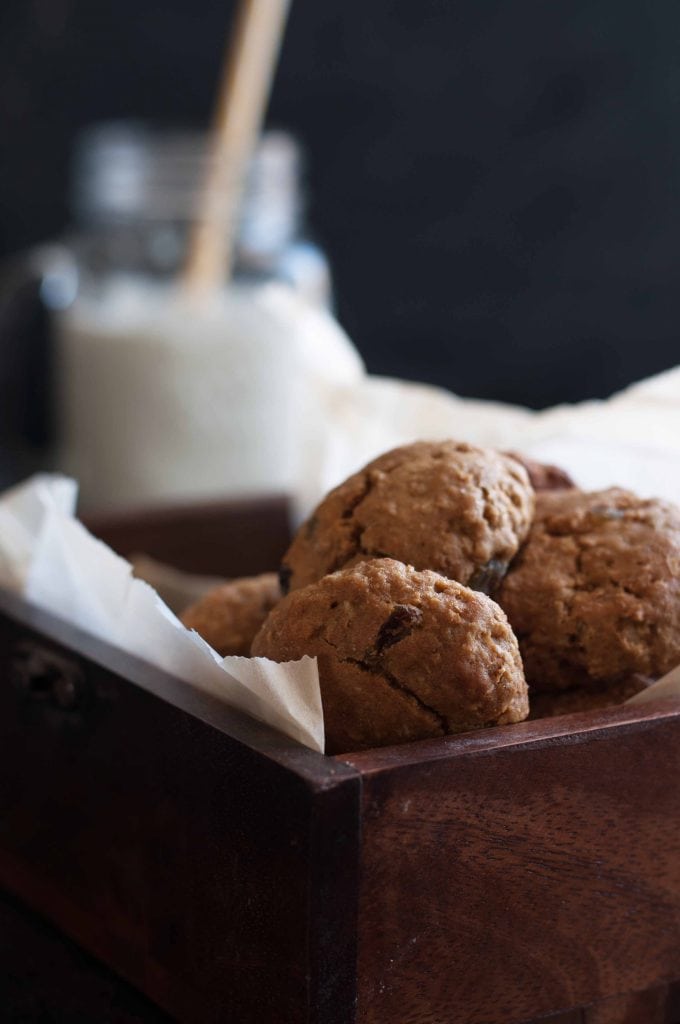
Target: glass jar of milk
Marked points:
159	396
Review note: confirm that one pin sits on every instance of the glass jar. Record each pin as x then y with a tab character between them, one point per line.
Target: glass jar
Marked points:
135	192
160	396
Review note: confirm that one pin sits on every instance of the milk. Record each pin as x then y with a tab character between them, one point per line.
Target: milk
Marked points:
161	397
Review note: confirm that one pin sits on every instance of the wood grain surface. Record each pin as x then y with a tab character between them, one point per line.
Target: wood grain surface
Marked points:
207	859
46	979
659	1005
520	872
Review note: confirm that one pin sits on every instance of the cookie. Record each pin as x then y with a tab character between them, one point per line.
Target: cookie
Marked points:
459	510
567	702
594	595
544	477
403	655
229	616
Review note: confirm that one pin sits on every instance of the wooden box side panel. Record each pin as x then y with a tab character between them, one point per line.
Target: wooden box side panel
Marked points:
235	538
186	860
499	885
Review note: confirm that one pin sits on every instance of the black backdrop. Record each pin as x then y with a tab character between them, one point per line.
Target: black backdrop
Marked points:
496	183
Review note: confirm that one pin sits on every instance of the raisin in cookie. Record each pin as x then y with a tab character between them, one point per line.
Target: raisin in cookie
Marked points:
403	655
229	616
594	595
459	510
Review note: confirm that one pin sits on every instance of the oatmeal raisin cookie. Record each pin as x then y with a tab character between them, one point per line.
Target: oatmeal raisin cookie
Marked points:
229	616
402	654
459	510
594	595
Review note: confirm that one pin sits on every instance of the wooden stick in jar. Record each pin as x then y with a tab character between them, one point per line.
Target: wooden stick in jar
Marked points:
242	98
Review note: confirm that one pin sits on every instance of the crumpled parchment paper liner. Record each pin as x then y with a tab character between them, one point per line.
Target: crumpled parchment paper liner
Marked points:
49	558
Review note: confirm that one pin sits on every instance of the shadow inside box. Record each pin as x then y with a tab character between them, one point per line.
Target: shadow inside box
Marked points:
218	538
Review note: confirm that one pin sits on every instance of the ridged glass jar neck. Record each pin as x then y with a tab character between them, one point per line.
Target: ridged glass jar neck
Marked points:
135	192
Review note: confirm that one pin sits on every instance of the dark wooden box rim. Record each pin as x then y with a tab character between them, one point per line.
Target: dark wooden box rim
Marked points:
320	770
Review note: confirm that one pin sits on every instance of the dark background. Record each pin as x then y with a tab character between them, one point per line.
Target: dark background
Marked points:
496	183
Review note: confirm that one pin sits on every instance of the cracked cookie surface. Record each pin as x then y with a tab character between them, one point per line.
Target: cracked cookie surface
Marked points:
594	595
459	510
403	655
229	616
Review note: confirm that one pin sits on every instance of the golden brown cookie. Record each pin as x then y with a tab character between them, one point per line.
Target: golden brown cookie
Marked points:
229	616
594	595
544	477
403	655
459	510
567	702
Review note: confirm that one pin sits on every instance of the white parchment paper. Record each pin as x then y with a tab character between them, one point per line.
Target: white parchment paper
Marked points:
667	686
49	557
630	440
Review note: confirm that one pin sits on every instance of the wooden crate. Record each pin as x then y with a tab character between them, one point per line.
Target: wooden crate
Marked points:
524	872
